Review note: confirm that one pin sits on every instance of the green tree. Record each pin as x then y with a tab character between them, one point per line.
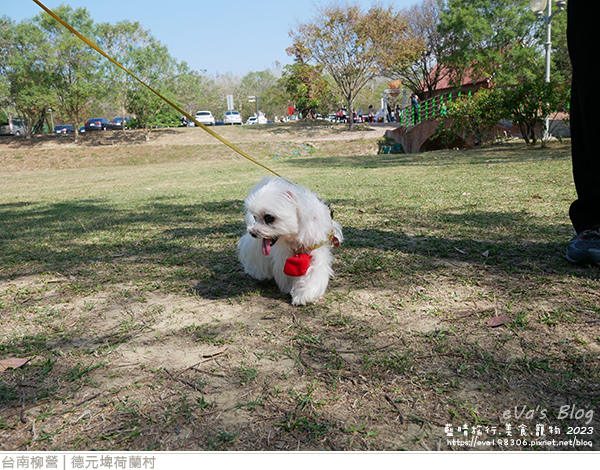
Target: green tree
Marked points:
154	66
473	116
7	28
527	105
26	73
492	38
119	41
305	83
190	88
75	66
213	97
255	84
122	41
306	87
352	46
276	100
45	66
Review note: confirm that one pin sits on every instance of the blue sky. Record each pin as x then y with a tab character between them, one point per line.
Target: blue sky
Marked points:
216	36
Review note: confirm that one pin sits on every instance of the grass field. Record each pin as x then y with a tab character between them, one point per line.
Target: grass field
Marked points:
452	310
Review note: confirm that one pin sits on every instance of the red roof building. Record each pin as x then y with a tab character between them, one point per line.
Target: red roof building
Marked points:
448	82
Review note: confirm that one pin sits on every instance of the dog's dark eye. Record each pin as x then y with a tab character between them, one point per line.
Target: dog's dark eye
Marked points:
269	219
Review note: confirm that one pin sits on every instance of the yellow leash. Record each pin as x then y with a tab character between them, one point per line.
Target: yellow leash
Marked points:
177	108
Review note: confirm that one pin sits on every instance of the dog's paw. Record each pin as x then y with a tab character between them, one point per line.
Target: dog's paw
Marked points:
303	298
298	302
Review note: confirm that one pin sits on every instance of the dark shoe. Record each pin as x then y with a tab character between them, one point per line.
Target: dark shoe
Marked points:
585	248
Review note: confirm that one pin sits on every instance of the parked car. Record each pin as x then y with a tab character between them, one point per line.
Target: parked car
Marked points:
232	117
117	123
205	117
82	129
64	129
261	119
13	127
97	124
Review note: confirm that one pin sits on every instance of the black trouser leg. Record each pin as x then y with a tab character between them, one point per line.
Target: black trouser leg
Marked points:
584	50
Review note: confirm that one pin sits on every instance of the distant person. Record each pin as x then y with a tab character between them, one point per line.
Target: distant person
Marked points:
585	101
371	113
415	108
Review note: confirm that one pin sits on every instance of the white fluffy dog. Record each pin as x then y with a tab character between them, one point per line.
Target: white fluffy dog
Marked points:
290	235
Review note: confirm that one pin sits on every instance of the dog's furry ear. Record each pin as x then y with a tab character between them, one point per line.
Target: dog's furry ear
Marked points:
314	221
287	196
249	218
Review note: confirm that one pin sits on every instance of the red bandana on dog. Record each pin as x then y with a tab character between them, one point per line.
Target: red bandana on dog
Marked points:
297	265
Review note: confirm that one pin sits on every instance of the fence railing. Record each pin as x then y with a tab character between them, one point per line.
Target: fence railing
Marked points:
433	108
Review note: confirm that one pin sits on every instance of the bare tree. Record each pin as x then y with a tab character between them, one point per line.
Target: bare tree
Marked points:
424	73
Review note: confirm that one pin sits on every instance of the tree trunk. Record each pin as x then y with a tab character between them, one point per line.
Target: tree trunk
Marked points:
350	114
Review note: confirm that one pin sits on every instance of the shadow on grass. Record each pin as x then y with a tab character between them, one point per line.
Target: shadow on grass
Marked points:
180	247
163	241
513	243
